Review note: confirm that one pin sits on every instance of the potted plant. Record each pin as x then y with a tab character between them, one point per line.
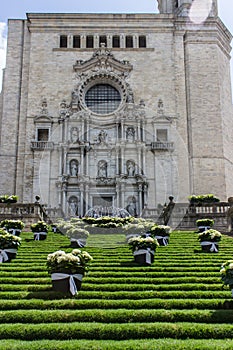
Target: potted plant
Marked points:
12	199
68	269
209	240
161	233
204	224
8	246
143	249
8	199
137	227
78	236
40	230
13	226
227	274
203	198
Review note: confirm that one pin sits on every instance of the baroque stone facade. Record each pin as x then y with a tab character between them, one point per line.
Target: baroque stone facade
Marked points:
117	110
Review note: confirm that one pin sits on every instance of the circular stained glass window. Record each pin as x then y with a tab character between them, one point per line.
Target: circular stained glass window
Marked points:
102	99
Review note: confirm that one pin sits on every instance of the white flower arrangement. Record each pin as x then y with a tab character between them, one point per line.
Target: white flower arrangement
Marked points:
76	261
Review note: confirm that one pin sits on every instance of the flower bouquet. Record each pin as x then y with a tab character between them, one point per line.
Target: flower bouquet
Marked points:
143	249
204	224
138	227
40	230
209	240
78	237
161	233
68	269
9	245
13	226
227	274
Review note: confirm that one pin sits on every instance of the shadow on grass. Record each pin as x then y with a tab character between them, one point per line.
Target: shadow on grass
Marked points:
200	251
49	295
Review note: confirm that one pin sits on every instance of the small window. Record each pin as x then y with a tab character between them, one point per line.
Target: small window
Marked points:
89	42
63	41
116	41
42	134
128	41
76	41
142	41
103	40
161	135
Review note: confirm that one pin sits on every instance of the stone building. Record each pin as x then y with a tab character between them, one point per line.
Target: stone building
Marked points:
117	110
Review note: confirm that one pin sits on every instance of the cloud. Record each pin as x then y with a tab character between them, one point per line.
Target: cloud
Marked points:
2	49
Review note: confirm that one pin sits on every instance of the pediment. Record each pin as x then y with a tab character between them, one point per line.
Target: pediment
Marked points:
103	59
43	119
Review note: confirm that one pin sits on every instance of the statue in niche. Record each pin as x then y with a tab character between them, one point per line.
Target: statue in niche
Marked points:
130	97
142	103
160	106
73	167
102	137
73	206
102	168
130	168
75	96
130	134
74	135
131	206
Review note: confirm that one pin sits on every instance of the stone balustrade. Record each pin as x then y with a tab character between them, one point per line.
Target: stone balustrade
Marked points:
42	145
184	215
164	146
27	212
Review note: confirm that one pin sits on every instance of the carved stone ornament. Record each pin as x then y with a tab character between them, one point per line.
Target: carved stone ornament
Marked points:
103	59
101	68
43	115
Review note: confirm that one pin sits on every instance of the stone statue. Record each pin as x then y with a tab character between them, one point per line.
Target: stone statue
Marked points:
102	168
73	167
73	206
102	136
130	134
130	168
131	207
74	135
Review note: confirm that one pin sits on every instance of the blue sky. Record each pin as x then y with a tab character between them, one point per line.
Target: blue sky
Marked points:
19	8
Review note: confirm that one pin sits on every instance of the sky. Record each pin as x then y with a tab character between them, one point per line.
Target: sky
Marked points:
19	8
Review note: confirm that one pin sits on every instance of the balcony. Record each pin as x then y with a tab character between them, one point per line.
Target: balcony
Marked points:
162	146
42	145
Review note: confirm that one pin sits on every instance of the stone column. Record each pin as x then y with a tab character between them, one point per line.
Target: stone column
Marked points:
139	199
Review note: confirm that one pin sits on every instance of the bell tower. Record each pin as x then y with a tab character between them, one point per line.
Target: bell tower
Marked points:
166	6
182	7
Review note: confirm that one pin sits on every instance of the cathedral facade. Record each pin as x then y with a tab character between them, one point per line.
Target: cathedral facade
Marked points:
117	110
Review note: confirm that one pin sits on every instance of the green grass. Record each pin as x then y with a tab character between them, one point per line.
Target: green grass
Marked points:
176	303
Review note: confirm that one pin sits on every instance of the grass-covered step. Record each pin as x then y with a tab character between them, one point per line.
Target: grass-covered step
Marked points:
116	316
115	331
176	303
84	304
130	344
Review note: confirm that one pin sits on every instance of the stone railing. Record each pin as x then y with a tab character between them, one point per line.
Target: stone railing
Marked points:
164	146
184	215
42	145
28	213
